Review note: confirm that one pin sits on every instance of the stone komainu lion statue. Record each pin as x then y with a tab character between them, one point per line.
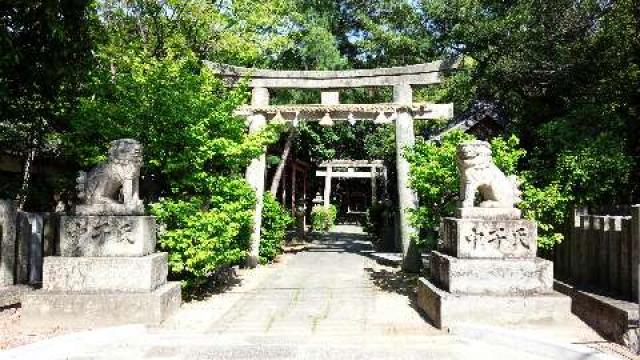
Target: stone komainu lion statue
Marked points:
479	174
116	181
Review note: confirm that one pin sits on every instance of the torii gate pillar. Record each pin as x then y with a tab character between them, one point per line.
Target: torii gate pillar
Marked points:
411	259
255	173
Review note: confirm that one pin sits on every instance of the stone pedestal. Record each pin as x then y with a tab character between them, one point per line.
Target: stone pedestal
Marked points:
85	309
492	276
486	270
7	242
446	309
107	275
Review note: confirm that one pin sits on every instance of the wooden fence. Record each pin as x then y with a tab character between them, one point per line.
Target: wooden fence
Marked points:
600	253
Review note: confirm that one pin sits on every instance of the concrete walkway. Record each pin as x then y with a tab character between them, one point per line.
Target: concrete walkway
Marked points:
332	301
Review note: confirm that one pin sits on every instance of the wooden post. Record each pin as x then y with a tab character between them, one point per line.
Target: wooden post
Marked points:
635	252
576	232
255	174
625	259
635	255
615	238
294	184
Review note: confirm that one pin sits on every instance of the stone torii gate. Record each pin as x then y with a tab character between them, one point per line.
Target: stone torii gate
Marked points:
346	169
402	110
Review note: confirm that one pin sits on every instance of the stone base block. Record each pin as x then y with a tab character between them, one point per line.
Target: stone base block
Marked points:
12	294
495	239
612	318
73	310
445	309
90	274
107	235
492	276
110	209
489	213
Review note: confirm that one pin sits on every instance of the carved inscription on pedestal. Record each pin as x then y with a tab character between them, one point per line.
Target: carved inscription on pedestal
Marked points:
498	237
107	235
489	239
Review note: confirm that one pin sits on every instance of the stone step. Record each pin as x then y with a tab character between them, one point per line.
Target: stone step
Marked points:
75	310
492	276
12	294
91	274
445	309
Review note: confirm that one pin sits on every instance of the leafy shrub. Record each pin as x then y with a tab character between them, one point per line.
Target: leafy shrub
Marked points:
323	218
435	178
275	221
201	236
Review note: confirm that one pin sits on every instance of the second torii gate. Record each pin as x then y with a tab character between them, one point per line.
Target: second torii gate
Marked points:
402	110
347	170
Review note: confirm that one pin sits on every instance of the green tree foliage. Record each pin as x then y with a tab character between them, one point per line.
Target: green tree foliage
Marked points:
568	74
239	32
362	34
275	221
44	48
589	157
362	141
435	178
195	153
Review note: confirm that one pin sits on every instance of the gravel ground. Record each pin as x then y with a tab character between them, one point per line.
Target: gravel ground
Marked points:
11	335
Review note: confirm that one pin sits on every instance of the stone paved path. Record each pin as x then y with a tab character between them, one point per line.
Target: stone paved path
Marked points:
332	301
330	290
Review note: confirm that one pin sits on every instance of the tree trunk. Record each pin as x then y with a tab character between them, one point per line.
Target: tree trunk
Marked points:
277	177
26	177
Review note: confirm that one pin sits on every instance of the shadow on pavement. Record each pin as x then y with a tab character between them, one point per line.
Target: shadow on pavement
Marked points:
222	280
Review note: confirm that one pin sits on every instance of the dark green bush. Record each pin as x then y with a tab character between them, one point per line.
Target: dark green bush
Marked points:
275	221
201	236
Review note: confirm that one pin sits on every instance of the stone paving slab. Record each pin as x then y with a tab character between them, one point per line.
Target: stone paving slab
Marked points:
134	342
